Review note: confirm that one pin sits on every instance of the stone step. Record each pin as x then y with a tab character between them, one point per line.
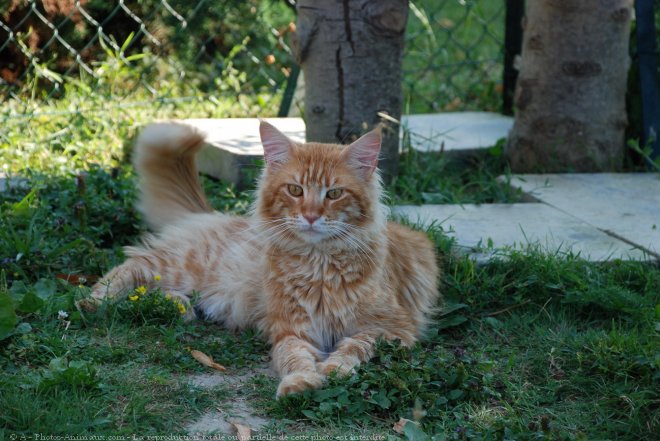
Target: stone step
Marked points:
622	205
458	133
233	146
480	230
7	183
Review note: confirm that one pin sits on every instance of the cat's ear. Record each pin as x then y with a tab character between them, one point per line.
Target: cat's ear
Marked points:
363	153
277	146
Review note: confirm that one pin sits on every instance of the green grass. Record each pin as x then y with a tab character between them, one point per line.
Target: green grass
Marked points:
532	346
433	178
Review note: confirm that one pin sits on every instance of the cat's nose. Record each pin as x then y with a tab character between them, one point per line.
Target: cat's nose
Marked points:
311	218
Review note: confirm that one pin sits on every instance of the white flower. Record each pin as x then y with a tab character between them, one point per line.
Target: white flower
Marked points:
62	315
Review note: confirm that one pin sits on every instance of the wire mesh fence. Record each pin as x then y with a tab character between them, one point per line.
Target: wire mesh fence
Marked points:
140	52
454	56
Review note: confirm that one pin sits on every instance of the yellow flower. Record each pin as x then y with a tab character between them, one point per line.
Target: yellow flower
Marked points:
182	309
141	290
168	296
157	278
133	298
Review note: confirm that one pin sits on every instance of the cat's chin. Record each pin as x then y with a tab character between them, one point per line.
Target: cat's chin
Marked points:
312	236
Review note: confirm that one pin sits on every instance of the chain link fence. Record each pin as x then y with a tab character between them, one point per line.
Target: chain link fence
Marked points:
454	56
142	50
146	51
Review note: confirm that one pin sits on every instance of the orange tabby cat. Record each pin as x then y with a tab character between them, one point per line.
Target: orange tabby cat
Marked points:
316	267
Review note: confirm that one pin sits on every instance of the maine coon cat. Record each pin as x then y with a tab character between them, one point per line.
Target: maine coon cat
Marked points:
316	267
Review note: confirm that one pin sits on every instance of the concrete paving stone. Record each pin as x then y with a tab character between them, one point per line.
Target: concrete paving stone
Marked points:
233	144
461	132
518	226
14	182
624	205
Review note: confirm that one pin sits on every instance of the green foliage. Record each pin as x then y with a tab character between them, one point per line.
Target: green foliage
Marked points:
19	301
66	225
617	290
645	153
150	307
432	178
8	318
64	373
398	382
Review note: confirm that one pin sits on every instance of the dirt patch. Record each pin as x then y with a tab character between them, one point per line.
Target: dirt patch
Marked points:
236	410
220	421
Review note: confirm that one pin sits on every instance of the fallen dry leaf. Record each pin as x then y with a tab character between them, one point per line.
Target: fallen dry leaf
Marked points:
399	425
418	413
206	360
243	432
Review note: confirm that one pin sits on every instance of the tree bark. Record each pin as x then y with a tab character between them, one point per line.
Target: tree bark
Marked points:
570	95
350	52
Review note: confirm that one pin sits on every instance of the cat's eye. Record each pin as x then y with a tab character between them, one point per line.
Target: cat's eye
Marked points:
334	193
295	190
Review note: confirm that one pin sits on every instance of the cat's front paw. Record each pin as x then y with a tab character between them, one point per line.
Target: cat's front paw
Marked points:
299	381
342	369
88	304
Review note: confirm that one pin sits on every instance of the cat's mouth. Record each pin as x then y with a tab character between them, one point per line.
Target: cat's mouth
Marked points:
311	233
311	230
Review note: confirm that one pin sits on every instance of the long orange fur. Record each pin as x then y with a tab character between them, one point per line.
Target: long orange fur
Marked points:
322	277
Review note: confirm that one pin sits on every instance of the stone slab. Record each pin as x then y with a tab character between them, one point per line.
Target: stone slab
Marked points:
518	226
624	205
460	132
6	182
233	143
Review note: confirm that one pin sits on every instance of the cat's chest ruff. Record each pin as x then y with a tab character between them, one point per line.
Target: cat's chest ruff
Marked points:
328	288
320	278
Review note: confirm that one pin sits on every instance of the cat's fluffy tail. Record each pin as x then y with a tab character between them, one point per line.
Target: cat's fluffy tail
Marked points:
164	158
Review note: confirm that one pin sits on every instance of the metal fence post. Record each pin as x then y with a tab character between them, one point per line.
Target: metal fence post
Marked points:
648	74
515	10
289	91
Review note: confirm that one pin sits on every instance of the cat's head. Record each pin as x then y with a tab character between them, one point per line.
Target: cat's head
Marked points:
314	193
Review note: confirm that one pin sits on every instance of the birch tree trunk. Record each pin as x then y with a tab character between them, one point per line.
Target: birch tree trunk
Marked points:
350	52
570	95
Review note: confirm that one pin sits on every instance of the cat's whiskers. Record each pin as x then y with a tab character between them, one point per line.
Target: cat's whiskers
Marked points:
352	228
259	224
357	233
341	231
363	255
346	239
274	232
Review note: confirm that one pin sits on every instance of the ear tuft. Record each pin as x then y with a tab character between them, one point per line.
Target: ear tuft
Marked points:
276	144
363	153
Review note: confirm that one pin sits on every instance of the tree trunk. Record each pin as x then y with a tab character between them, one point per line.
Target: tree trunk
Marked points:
350	52
570	94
